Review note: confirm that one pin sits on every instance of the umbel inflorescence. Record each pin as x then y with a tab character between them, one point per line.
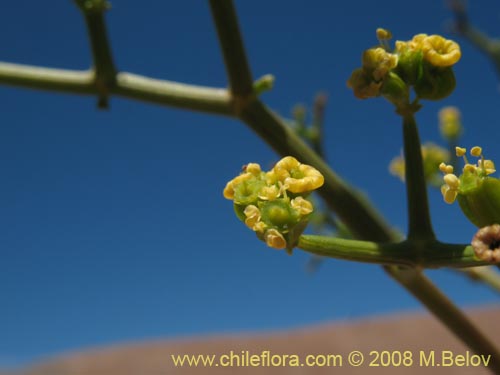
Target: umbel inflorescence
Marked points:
478	194
274	204
424	63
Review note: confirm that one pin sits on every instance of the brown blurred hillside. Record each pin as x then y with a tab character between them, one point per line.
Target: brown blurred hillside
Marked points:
413	332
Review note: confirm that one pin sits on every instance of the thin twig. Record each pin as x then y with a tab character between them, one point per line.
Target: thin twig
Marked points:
105	71
133	86
318	122
449	314
486	44
233	51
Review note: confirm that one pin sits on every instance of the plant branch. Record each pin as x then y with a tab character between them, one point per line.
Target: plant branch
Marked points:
450	315
133	86
487	45
419	220
405	254
105	71
233	51
180	95
318	120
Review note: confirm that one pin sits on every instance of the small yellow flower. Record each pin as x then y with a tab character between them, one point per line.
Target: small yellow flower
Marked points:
260	227
252	214
229	189
460	151
454	185
440	51
401	47
379	62
297	177
484	166
487	166
362	85
471	168
452	181
383	34
450	123
397	167
450	192
476	151
274	239
445	168
417	42
432	155
253	168
312	180
285	167
449	113
303	206
269	193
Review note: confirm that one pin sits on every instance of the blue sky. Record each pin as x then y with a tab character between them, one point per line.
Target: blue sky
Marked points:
114	227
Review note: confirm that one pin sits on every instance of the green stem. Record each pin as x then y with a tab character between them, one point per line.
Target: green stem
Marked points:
318	124
179	95
405	254
133	86
487	45
359	251
419	220
233	51
105	71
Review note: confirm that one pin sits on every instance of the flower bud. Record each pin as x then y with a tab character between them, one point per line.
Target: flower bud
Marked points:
435	83
363	85
410	65
395	90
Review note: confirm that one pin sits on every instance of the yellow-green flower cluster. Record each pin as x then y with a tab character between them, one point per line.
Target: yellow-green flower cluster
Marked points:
424	63
450	123
432	156
476	191
473	173
274	204
435	49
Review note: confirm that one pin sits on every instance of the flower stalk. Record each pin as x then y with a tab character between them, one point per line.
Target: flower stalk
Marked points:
404	254
419	220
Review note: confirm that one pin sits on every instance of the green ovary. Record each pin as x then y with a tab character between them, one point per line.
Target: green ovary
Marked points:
481	204
279	214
